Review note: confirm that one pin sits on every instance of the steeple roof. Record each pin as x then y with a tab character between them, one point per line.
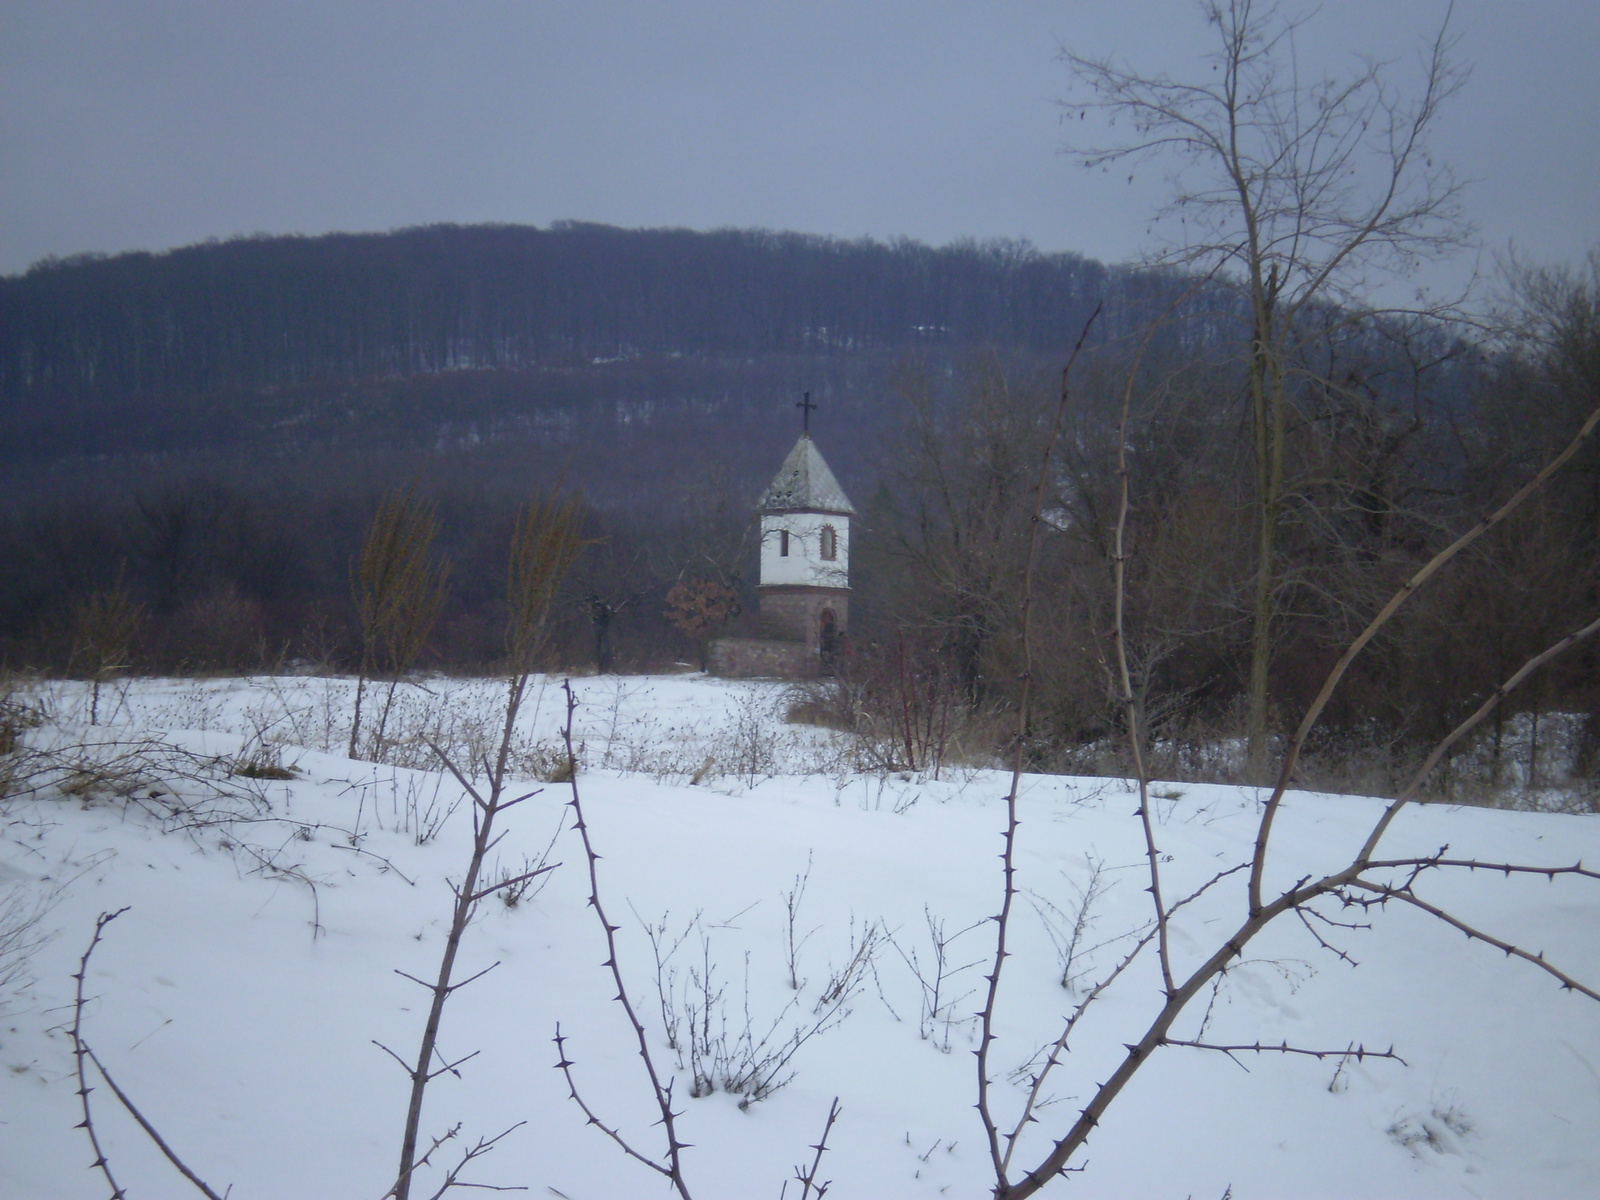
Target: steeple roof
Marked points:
805	482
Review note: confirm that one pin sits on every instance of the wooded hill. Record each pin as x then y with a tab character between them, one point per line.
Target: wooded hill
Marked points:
450	332
206	432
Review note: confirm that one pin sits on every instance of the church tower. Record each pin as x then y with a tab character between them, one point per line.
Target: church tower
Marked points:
805	555
804	585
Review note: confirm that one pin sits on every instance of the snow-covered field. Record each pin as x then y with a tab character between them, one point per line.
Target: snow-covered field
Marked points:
241	999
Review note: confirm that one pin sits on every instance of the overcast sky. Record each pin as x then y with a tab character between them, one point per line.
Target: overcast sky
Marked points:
145	124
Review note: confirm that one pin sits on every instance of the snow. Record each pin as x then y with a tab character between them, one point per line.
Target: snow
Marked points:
239	998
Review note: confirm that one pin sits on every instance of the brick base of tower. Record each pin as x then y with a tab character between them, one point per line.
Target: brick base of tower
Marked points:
802	633
800	614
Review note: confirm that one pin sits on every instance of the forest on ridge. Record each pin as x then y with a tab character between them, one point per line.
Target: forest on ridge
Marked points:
205	434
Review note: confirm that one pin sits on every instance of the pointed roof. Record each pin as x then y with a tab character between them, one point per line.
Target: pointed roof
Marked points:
805	482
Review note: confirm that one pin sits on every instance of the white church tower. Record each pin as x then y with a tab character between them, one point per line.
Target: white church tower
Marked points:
805	554
805	571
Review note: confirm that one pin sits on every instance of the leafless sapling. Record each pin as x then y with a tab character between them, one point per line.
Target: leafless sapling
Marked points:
544	545
400	590
104	628
986	1015
1304	187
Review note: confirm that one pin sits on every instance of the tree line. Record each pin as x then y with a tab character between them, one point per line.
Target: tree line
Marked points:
272	312
1395	432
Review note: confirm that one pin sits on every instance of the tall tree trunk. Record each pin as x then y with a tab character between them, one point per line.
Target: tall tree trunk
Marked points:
1267	417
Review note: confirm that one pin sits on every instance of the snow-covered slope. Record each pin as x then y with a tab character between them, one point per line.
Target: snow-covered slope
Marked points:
240	997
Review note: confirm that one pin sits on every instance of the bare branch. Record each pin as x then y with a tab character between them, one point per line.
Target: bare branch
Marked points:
1568	983
1473	864
512	882
809	1186
662	1092
1002	920
1359	1053
80	1051
154	1135
478	1150
565	1065
1427	572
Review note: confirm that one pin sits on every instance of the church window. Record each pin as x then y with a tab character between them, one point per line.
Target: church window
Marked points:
830	543
783	543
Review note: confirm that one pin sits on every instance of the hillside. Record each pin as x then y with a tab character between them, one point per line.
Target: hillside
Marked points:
455	335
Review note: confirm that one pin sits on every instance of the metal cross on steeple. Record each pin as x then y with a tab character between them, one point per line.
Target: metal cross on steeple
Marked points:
805	406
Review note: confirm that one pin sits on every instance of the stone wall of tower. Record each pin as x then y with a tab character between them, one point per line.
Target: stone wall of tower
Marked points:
753	658
795	614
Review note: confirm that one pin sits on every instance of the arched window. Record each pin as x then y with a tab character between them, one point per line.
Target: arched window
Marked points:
830	543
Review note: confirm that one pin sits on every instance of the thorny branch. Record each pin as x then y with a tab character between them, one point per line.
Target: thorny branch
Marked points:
673	1169
81	1051
1428	571
1568	983
477	1150
807	1178
1059	1046
1359	1053
1002	920
1260	916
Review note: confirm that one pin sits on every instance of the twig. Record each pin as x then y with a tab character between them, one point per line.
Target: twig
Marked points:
150	1129
1360	1053
1472	864
565	1065
81	1050
1035	1089
1059	1046
808	1185
480	1148
512	882
662	1092
1007	857
1320	940
1568	983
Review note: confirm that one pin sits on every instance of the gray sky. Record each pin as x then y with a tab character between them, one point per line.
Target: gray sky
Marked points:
145	124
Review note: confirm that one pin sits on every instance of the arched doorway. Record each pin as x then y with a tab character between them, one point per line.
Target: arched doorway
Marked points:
828	639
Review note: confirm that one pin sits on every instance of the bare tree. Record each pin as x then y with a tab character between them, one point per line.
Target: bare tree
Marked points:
399	591
1368	880
544	545
963	504
104	628
1303	192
